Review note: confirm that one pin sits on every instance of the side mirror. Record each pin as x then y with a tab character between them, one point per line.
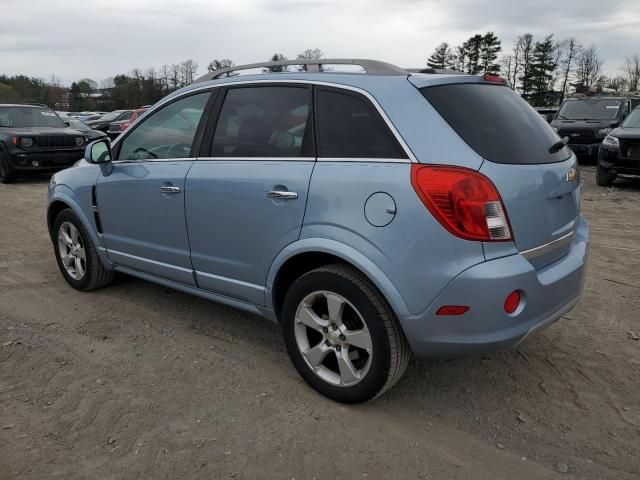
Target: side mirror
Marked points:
614	124
98	152
549	117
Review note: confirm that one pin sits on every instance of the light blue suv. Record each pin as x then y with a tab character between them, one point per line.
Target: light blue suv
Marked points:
373	214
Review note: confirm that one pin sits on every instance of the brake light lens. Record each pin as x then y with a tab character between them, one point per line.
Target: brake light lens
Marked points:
497	79
463	201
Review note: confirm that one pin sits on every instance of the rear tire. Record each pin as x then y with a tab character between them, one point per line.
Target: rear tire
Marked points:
7	173
603	179
77	255
354	348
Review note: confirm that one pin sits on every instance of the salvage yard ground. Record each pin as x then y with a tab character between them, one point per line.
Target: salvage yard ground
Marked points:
139	381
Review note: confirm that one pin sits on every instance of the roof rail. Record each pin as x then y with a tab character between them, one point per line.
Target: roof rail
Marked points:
371	67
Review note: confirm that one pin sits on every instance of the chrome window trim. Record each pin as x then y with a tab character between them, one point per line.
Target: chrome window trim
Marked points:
154	160
368	160
548	247
411	157
304	159
258	159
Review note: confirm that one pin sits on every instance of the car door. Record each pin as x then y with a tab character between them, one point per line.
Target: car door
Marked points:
246	200
141	202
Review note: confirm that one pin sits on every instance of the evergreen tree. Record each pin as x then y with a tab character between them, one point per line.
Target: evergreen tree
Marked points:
441	57
490	48
541	73
525	47
276	57
472	49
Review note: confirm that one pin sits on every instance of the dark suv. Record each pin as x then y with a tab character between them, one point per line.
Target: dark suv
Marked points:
34	138
587	119
620	152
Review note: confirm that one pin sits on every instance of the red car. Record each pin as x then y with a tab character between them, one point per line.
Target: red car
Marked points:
116	128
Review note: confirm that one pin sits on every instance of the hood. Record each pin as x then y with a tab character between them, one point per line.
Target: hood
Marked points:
631	133
47	131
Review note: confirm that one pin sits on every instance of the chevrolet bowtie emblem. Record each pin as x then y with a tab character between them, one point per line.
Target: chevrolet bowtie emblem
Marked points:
572	174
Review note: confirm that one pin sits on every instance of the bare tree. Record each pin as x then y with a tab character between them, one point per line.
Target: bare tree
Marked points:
218	64
175	76
588	67
165	75
309	54
571	50
188	71
631	70
526	47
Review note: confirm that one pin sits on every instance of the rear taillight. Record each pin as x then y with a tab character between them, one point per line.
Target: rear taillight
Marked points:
464	201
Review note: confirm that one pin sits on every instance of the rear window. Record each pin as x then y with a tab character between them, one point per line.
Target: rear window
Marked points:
496	122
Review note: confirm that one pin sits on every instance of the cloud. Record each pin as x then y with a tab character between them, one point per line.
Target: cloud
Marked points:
97	39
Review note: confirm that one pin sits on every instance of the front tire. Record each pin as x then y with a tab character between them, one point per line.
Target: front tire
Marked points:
603	179
77	255
7	173
342	336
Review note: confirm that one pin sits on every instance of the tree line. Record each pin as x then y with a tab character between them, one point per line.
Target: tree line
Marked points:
544	71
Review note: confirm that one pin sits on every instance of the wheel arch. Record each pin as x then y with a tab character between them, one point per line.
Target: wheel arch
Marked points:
308	254
61	200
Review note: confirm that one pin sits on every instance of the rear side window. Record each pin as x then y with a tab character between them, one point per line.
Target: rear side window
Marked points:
496	122
265	122
350	127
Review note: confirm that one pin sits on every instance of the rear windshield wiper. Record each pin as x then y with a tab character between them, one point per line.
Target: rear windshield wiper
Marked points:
559	145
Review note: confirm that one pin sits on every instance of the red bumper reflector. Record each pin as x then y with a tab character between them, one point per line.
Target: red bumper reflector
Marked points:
512	302
452	310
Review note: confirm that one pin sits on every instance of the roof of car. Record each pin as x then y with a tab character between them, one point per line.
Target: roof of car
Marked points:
22	105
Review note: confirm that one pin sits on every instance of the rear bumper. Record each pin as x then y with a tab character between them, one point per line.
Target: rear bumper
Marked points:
547	293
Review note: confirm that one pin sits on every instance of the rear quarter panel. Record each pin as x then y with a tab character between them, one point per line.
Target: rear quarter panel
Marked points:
413	251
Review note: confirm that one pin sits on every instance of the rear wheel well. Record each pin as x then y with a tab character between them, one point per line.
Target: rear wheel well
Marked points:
297	266
54	210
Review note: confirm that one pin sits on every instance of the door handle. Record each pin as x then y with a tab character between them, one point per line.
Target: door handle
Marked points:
282	194
169	189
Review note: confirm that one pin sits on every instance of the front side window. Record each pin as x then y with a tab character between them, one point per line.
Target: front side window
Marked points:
350	127
264	122
167	133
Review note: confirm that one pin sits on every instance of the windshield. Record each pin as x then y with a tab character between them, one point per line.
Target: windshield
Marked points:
633	120
590	109
77	124
110	117
21	117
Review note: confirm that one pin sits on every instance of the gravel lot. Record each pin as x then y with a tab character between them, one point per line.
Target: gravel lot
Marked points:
138	381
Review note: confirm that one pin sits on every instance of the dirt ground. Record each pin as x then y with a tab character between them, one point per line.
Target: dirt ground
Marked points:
139	381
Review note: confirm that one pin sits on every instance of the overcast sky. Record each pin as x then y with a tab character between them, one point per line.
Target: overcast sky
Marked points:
75	39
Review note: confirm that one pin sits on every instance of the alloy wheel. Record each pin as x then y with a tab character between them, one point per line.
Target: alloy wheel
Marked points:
333	338
72	252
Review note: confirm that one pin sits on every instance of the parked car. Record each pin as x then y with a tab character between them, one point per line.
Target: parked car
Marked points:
587	119
34	139
116	128
87	131
619	154
103	122
371	215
